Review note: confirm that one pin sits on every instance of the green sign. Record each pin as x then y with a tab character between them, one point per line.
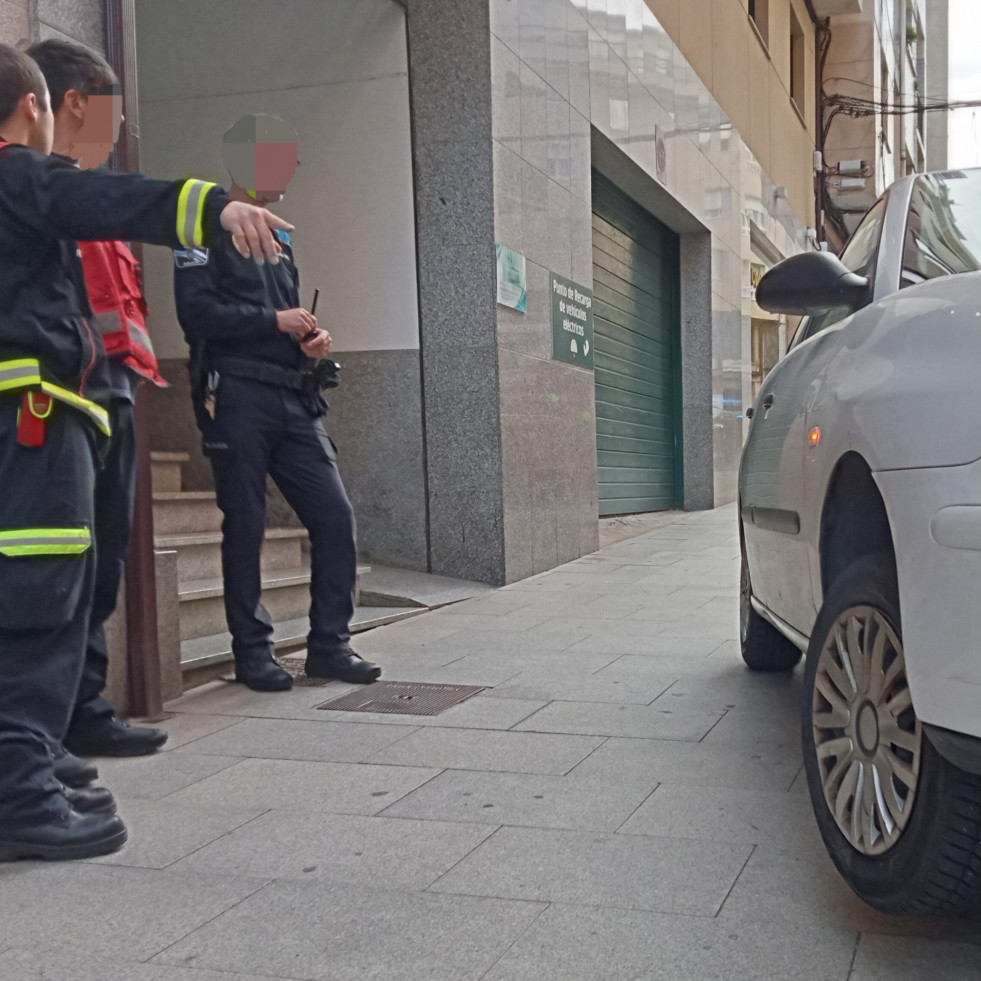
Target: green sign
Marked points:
572	322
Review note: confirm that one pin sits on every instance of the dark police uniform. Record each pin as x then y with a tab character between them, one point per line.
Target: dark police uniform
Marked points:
48	347
258	404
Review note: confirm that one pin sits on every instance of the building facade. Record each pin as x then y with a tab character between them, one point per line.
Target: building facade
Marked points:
886	63
665	148
619	173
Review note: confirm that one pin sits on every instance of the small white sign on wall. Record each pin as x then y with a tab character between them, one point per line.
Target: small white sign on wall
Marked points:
512	279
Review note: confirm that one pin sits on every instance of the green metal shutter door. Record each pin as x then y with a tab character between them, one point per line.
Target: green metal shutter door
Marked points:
635	286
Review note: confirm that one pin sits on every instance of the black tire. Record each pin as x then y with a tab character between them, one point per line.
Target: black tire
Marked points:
763	647
934	862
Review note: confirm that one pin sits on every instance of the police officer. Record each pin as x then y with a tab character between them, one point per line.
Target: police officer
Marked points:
53	419
85	102
256	385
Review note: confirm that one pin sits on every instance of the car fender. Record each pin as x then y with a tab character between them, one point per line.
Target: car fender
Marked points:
899	388
935	518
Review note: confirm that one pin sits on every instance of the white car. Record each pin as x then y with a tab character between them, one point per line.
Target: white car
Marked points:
860	524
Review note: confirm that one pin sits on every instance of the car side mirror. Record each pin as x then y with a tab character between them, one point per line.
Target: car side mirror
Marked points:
811	283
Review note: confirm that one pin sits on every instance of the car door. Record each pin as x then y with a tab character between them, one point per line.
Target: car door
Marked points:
773	483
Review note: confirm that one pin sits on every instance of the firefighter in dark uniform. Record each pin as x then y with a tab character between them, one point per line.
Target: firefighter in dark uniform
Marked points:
258	366
86	103
53	424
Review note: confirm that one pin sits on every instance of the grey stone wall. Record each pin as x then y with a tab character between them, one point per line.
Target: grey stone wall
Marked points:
375	419
540	60
24	21
450	94
72	20
15	26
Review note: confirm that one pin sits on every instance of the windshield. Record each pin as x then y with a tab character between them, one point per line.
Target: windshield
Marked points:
943	232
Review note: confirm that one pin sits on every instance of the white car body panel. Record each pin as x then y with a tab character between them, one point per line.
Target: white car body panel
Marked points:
898	383
942	584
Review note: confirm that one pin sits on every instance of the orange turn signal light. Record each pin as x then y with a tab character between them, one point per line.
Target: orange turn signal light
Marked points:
814	436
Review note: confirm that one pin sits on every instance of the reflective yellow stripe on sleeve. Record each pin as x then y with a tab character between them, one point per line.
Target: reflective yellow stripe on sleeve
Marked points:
190	212
44	541
25	373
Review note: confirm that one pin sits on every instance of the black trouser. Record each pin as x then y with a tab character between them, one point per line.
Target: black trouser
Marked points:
44	602
115	491
260	429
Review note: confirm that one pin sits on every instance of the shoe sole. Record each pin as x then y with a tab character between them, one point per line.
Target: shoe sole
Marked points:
350	679
11	851
282	687
117	751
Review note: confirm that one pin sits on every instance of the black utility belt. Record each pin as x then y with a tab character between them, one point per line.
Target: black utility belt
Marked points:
312	380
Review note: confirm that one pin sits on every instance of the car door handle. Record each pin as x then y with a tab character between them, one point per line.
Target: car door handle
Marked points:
767	403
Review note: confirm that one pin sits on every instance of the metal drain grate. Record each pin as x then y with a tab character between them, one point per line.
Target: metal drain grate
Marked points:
402	698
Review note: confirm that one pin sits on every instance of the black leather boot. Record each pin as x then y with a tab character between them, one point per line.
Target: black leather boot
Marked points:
70	836
263	674
91	800
343	665
70	770
113	737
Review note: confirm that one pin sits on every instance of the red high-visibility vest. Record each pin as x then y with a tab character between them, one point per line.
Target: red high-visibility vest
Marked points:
118	305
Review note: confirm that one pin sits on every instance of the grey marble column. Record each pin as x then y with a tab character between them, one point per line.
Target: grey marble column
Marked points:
450	94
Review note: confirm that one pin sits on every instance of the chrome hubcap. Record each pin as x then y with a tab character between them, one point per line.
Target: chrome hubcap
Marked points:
866	735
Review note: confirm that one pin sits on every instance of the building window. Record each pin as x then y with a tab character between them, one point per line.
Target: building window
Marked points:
797	63
759	15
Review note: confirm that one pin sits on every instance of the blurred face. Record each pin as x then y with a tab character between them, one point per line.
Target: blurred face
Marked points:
94	141
263	169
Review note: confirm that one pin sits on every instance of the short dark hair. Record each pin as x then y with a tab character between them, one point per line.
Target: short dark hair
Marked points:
71	66
19	76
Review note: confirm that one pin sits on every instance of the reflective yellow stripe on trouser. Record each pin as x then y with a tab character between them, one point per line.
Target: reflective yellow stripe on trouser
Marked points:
25	373
190	212
44	541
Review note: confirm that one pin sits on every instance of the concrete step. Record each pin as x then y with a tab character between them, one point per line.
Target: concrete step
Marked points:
185	512
165	471
205	658
285	594
199	554
387	586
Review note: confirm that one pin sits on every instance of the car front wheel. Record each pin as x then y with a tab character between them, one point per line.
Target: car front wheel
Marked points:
901	823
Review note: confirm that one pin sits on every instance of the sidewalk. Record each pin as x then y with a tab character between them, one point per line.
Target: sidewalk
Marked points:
623	803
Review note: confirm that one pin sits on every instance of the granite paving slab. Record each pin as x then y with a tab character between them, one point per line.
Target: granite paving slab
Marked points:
782	886
479	749
338	788
687	764
725	814
666	875
569	943
644	721
320	932
881	958
162	832
156	776
23	964
528	800
291	739
184	728
111	911
403	854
